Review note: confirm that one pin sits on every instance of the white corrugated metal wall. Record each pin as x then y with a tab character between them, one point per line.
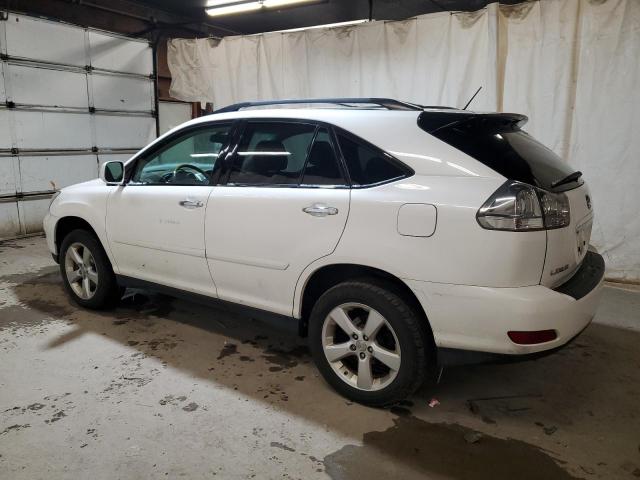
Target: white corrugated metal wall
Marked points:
70	98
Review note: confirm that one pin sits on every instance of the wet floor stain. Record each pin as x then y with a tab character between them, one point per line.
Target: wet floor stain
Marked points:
286	359
400	452
227	350
191	407
14	428
171	400
400	411
282	446
59	415
415	449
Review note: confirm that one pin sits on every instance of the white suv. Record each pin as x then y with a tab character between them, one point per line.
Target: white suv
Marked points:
399	237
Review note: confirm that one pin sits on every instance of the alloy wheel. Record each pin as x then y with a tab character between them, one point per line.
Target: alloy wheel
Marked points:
361	346
80	267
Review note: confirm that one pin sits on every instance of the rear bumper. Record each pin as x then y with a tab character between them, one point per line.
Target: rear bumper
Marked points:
476	319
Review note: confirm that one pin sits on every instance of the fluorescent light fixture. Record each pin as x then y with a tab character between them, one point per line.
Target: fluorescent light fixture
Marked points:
283	3
228	7
219	3
231	9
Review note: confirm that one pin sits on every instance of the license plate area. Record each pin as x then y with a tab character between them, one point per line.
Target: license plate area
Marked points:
583	235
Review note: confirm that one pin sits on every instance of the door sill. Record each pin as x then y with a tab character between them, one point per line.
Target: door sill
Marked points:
286	322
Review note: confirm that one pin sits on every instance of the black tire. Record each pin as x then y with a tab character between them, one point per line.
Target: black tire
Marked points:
407	323
107	291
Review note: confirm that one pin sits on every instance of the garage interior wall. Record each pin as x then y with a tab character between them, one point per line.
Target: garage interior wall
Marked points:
70	99
570	65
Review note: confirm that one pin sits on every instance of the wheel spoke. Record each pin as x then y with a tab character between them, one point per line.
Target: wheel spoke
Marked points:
389	358
86	256
375	321
338	351
365	378
93	276
344	322
75	256
74	276
86	287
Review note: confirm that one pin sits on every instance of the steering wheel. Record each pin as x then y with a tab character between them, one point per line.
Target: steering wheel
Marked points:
200	175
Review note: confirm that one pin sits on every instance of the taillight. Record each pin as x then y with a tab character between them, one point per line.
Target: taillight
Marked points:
555	209
518	207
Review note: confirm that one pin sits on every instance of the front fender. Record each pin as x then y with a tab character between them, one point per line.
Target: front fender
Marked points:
86	201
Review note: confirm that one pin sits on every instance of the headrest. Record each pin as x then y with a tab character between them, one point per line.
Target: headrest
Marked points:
276	161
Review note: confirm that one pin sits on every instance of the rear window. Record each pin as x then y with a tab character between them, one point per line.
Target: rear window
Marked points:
508	150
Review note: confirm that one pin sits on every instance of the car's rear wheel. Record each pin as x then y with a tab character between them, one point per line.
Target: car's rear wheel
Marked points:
86	271
368	342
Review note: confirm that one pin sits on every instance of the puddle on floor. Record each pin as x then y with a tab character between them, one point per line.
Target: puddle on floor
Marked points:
415	449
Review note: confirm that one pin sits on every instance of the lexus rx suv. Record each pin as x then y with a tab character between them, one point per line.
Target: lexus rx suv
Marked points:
399	237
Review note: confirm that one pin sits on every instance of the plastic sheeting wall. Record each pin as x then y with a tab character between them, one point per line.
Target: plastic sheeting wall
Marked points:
572	66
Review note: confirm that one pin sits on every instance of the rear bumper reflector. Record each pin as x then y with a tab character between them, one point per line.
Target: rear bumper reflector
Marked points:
532	338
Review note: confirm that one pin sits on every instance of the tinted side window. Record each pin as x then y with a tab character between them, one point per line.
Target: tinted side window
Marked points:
368	165
271	153
187	160
322	165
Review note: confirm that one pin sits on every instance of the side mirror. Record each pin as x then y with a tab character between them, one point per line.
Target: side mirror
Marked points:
112	173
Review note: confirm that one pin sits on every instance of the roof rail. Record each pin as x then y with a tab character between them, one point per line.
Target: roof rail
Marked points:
387	103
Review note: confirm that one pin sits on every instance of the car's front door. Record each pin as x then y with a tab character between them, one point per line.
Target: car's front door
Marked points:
285	204
155	223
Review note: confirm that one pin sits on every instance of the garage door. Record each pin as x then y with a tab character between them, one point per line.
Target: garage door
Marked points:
70	99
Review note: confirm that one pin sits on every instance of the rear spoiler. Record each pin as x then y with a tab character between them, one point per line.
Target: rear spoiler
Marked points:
432	121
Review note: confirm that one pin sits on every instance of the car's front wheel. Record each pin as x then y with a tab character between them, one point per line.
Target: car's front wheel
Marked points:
368	342
86	271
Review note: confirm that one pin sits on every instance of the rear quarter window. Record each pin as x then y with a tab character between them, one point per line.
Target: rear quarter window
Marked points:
367	164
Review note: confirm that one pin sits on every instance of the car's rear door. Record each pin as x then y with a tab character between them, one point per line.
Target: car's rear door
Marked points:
284	204
155	223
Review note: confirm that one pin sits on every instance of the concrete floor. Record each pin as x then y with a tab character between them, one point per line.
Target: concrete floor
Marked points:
161	388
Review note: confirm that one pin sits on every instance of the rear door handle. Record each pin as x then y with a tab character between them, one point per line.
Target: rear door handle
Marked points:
188	203
320	210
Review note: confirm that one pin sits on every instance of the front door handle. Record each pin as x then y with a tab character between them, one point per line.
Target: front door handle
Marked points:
320	210
189	203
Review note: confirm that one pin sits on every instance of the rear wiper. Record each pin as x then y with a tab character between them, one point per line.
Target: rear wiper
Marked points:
572	177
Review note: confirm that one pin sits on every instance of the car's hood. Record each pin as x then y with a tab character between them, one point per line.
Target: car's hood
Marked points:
88	183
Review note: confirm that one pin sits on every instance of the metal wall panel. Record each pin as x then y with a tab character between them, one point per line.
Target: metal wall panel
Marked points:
116	54
9	220
3	94
60	116
37	172
117	131
117	92
46	41
43	130
42	86
5	131
31	213
9	174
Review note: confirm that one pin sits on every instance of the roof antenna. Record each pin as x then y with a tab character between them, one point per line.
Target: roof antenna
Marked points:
474	96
